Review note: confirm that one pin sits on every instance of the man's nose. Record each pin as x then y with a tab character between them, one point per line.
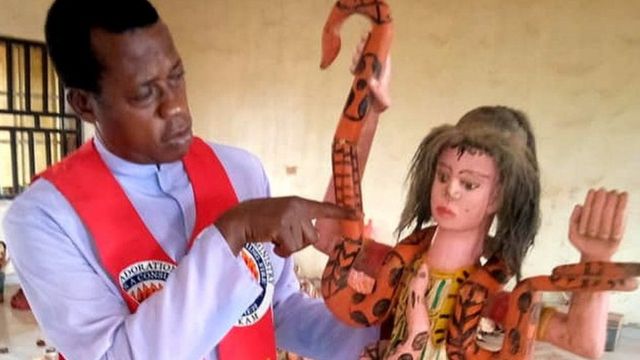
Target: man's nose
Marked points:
173	103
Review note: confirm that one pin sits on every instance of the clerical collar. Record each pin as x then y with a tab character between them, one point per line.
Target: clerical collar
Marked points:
121	166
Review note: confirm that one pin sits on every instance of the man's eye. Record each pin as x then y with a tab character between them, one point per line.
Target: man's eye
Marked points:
144	93
177	75
177	78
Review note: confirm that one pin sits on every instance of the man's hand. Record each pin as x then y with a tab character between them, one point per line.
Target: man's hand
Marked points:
597	226
286	222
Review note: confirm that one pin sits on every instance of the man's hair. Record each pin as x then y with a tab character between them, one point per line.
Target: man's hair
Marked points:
68	34
504	134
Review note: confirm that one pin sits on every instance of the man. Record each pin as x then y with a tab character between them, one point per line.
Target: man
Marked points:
147	209
3	264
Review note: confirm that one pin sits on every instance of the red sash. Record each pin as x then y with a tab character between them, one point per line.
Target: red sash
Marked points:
125	245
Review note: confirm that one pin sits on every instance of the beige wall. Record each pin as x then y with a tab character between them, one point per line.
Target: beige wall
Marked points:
24	19
571	65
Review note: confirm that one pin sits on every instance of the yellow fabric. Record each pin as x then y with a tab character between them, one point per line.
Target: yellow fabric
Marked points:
545	316
441	297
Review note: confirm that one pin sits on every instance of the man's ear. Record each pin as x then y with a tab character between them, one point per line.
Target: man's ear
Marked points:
83	103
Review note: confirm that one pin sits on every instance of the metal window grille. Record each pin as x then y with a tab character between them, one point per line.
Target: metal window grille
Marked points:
36	130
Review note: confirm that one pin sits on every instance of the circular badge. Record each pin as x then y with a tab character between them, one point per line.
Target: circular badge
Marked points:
140	280
258	262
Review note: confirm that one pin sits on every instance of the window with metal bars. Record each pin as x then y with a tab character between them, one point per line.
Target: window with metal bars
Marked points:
35	128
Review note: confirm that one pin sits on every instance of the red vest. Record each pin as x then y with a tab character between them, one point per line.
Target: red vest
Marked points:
132	256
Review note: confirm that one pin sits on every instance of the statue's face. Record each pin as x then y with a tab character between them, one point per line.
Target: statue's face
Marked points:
464	192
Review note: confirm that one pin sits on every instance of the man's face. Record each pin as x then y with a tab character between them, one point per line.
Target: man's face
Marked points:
141	113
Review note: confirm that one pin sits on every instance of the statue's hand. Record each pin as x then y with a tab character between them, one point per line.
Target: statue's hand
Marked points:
417	316
597	226
418	324
379	87
360	282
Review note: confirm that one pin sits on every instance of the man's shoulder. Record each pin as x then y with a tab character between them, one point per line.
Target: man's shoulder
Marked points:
226	151
244	169
233	157
39	206
38	194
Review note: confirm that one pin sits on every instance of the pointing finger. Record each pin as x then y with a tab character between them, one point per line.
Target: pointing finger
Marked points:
317	210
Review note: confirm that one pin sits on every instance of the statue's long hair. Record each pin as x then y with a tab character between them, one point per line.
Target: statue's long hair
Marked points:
504	134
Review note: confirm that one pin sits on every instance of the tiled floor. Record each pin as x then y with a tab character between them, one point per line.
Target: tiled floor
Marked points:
19	332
